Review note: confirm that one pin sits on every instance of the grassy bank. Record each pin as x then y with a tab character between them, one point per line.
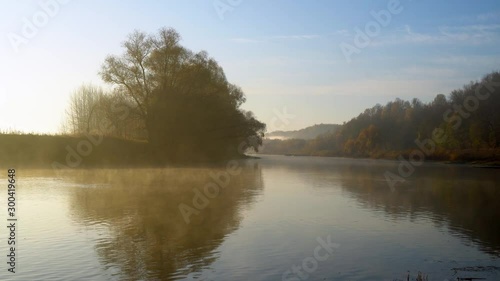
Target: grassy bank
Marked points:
63	151
44	151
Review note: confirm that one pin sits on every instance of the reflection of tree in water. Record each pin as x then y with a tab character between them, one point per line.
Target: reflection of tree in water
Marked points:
466	199
149	238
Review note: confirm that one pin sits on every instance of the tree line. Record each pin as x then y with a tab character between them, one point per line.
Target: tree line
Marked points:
468	120
177	100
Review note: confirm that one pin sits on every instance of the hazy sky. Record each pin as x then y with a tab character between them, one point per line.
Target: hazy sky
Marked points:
284	54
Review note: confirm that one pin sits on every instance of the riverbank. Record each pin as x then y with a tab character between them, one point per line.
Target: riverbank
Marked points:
482	158
86	151
474	157
62	151
49	151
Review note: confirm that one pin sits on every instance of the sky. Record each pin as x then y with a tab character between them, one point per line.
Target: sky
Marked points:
299	63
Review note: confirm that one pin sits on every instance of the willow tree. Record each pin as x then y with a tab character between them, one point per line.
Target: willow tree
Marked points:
183	98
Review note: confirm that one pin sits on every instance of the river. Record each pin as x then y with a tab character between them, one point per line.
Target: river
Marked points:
273	218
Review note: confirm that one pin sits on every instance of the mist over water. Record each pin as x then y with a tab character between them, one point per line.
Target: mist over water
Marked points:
125	224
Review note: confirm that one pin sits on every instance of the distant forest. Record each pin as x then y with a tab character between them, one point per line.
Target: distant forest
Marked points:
465	125
306	133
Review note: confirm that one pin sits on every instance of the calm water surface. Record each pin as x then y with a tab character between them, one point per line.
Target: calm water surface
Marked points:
268	218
